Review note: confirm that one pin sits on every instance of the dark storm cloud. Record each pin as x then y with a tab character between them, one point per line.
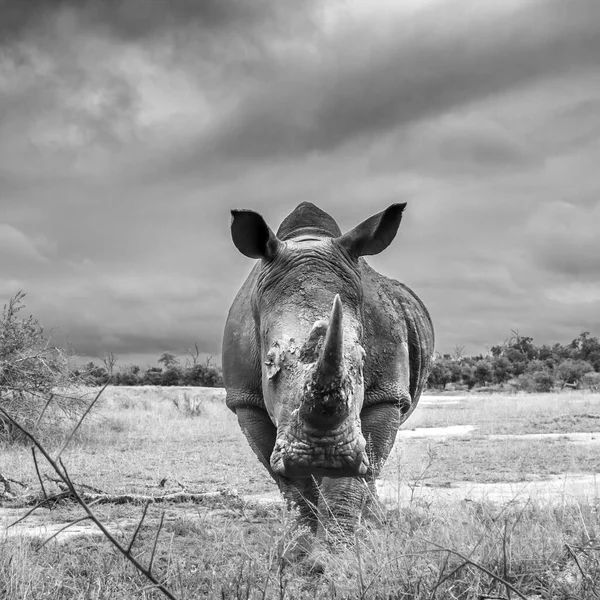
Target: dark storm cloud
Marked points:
133	18
428	64
565	239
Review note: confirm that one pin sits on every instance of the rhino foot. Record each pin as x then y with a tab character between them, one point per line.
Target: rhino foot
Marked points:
316	561
299	547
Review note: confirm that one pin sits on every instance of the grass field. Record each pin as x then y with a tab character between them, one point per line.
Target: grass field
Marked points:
140	441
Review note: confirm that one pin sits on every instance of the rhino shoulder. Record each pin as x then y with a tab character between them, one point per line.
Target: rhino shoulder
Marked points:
241	352
399	339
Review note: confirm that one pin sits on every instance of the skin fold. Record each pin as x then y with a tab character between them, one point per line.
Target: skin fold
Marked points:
323	360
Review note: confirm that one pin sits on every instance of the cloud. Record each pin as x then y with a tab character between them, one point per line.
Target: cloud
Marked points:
565	240
133	19
16	248
363	84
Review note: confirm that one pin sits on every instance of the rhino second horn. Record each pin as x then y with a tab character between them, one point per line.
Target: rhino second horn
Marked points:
331	362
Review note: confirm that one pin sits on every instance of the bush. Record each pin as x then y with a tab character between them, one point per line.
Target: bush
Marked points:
543	381
189	406
538	381
591	381
571	371
32	373
206	375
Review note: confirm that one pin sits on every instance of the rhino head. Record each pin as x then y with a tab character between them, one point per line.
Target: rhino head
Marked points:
308	315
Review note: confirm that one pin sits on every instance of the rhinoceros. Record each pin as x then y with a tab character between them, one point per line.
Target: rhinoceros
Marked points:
323	359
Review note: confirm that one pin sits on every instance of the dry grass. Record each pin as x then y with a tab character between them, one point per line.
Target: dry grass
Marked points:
233	550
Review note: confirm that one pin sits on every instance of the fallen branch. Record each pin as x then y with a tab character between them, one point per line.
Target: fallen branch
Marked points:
175	498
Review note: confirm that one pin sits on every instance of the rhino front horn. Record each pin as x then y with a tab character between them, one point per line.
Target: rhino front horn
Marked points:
331	363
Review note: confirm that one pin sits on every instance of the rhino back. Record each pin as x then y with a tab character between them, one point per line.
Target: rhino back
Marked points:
241	354
398	338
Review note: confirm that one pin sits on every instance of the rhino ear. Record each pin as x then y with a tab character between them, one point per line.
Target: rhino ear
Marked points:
252	236
375	234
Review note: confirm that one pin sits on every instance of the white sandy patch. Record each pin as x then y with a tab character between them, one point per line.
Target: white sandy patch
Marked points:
579	437
566	488
421	432
441	400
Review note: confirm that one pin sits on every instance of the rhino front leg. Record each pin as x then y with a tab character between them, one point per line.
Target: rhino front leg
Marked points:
380	424
261	434
340	504
343	500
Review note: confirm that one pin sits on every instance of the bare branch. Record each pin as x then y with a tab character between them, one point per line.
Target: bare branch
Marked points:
86	518
139	526
81	420
37	470
160	526
50	398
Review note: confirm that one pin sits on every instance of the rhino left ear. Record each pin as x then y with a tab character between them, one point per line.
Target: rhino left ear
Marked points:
252	236
375	234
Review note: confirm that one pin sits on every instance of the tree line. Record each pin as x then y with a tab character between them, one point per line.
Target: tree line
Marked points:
516	364
171	373
519	364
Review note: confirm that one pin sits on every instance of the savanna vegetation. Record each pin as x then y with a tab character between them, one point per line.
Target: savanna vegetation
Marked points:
169	371
520	364
517	364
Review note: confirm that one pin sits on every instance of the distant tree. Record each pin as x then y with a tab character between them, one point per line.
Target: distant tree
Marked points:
570	371
152	376
94	374
168	359
501	368
483	372
591	381
467	375
458	353
110	360
205	375
517	359
194	354
127	375
171	376
440	374
523	344
536	381
587	348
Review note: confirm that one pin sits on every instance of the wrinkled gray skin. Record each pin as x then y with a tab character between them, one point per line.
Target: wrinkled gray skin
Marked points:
323	359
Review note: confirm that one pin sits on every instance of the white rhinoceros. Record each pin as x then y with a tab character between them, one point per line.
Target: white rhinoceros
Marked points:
323	359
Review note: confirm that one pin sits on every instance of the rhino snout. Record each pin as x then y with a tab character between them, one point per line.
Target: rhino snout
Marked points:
302	454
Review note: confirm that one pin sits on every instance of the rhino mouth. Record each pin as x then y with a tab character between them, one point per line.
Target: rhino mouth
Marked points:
301	452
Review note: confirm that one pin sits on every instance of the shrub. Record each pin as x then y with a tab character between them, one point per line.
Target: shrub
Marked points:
538	381
543	381
207	375
32	372
171	376
571	371
188	406
591	381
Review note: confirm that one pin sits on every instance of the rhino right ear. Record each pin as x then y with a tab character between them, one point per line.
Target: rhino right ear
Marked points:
252	236
375	234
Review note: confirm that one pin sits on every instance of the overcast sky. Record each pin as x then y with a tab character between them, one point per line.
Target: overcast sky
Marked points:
129	129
